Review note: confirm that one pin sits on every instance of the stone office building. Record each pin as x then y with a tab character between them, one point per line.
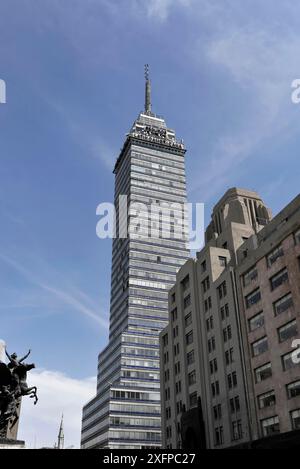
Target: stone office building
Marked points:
268	276
232	315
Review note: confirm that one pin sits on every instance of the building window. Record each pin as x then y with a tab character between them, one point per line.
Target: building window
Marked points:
256	321
232	380
295	417
211	344
192	377
229	358
219	436
235	404
188	319
217	411
227	333
287	361
279	279
283	304
287	331
207	304
213	364
193	399
165	340
177	368
250	276
270	426
205	284
224	312
263	372
174	314
203	267
260	346
185	283
190	358
293	389
222	261
253	298
274	255
222	290
209	323
187	301
189	338
173	297
267	399
236	428
297	237
215	388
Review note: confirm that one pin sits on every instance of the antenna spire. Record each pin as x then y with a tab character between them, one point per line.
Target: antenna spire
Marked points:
61	436
147	91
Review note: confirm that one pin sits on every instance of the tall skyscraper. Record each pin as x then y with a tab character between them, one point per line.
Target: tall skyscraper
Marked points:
150	171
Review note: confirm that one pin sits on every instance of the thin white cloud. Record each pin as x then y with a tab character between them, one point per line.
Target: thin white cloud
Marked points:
68	297
160	9
58	393
262	64
85	135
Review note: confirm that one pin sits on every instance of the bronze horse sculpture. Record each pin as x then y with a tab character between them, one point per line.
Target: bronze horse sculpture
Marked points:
13	386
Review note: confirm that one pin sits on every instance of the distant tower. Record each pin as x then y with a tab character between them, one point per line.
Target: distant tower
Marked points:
61	437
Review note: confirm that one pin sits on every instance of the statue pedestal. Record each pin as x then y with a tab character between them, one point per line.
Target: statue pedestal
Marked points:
7	443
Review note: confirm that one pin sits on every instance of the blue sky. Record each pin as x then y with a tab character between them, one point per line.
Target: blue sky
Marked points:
221	76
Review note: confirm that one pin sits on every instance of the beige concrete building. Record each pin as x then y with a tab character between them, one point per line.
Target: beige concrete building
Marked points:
269	300
202	353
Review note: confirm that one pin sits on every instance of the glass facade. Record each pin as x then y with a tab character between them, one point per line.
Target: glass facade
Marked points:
150	170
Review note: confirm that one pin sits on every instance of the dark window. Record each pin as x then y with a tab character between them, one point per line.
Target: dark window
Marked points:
188	319
279	279
287	361
193	399
174	314
190	357
274	255
187	301
185	283
295	419
253	298
293	389
165	340
256	321
192	377
283	304
217	411
270	426
263	372
219	436
205	284
287	331
222	290
237	432
297	237
260	346
250	276
267	399
189	338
